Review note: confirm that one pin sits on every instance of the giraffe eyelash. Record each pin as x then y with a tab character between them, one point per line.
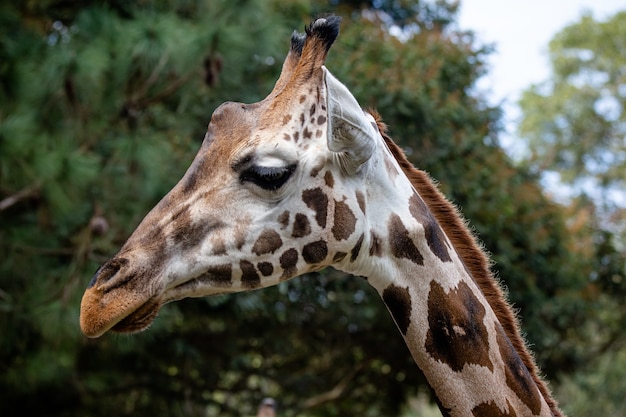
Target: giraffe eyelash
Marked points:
268	178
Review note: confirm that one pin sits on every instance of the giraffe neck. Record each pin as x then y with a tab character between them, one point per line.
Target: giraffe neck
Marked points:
456	339
439	299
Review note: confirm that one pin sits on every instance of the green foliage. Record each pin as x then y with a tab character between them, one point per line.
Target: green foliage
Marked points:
574	125
103	105
575	122
598	388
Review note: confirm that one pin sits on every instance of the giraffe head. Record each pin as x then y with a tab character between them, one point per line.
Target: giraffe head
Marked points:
269	196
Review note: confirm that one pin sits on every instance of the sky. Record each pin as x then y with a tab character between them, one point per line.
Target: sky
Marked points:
521	31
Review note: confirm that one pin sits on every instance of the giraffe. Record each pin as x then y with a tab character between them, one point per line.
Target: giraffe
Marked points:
306	179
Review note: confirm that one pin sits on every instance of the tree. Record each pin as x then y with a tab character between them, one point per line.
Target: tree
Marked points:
574	125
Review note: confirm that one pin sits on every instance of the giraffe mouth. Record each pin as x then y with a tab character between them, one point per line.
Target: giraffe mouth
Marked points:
112	307
139	319
118	311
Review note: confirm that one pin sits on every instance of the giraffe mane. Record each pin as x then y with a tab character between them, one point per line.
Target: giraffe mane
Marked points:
472	254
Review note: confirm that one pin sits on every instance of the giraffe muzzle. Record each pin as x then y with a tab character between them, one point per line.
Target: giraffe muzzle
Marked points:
111	302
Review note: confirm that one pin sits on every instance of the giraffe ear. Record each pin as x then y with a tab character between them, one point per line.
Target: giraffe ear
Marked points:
350	133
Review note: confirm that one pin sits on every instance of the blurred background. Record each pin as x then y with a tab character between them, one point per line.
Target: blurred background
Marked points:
104	103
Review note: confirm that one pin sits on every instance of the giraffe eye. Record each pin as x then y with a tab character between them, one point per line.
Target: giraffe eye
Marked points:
268	178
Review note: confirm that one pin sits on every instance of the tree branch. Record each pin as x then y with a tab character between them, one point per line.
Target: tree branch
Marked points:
335	392
152	79
24	194
170	89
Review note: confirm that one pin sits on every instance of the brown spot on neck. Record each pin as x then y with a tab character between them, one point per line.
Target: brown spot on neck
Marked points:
490	409
434	235
398	301
457	335
400	241
517	376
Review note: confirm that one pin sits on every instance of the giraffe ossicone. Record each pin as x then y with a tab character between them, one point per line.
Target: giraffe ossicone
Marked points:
306	179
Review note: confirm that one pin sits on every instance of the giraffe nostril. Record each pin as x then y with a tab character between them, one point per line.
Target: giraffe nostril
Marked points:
107	271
